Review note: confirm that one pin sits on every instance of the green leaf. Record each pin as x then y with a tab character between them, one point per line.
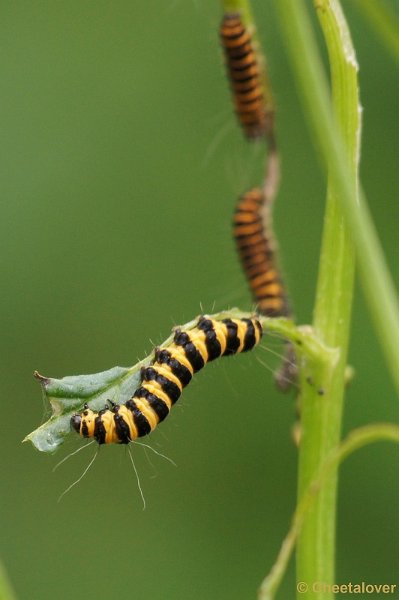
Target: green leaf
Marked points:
69	394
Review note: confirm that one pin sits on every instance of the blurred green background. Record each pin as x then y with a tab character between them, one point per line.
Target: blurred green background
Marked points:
121	163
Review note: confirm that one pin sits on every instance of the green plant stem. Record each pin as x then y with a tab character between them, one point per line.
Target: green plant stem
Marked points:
321	415
376	280
383	21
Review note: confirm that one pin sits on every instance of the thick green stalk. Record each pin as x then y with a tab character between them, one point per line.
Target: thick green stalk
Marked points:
322	417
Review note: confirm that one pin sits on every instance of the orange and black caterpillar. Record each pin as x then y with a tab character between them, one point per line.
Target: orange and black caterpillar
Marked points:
246	78
257	249
163	381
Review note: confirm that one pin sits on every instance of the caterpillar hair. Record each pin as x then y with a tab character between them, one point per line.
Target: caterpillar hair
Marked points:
256	247
247	79
163	381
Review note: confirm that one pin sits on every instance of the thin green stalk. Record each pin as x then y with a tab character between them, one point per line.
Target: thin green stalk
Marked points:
355	440
376	280
6	591
383	21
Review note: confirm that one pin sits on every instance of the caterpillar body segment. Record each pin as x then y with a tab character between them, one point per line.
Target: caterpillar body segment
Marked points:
162	382
246	77
257	250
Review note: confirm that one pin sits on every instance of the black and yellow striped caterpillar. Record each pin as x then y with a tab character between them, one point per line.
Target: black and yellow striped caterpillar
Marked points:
163	381
246	78
257	250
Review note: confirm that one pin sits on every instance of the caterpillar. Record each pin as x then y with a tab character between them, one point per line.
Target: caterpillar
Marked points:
246	77
257	250
163	380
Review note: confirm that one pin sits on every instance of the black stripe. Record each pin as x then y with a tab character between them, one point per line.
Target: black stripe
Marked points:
249	338
247	245
238	52
255	263
181	372
270	296
263	272
122	429
233	342
158	405
232	36
85	430
99	430
244	236
229	35
192	354
244	99
244	78
168	386
256	270
236	70
248	209
239	62
212	343
143	426
248	251
250	86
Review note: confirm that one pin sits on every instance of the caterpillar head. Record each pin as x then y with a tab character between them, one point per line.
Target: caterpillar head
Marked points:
76	421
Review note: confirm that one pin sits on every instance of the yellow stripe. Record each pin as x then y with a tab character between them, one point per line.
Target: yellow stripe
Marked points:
127	415
266	277
107	420
258	332
221	334
271	289
197	337
241	331
224	331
